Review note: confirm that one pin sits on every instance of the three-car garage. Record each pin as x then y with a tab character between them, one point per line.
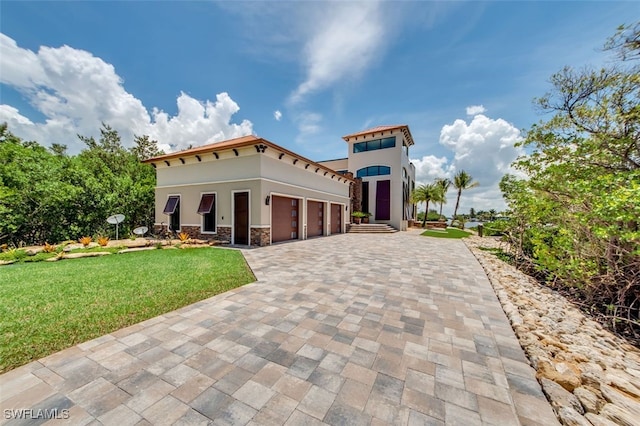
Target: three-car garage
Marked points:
320	218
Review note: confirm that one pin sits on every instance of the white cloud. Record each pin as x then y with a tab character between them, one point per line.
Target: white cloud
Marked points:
277	115
309	124
485	149
475	109
348	37
77	91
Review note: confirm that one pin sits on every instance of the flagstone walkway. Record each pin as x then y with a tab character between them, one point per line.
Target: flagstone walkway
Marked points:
348	329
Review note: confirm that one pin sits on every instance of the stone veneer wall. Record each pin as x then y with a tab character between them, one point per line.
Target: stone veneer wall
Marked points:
223	235
260	236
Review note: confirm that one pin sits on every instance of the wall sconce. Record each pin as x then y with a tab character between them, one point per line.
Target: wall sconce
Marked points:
267	200
346	208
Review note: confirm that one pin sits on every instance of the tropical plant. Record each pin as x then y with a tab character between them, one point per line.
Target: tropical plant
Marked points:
85	241
461	181
425	194
443	185
575	216
183	236
103	241
49	248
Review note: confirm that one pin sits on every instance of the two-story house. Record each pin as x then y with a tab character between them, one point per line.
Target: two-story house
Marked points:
250	191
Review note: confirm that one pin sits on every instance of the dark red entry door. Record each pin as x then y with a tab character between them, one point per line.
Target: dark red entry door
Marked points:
336	218
241	218
383	200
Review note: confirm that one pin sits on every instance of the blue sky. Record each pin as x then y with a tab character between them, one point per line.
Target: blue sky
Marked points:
462	75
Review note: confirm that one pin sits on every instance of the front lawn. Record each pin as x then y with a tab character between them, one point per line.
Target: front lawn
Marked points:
446	233
46	307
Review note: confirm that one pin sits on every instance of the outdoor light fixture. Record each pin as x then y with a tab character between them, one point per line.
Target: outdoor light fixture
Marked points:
267	200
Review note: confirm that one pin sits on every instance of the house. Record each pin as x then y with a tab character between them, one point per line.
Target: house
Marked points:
380	158
250	191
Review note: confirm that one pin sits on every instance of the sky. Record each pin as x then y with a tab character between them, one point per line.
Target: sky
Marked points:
462	75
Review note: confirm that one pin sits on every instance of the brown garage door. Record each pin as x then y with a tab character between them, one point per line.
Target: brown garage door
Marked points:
315	218
284	219
336	218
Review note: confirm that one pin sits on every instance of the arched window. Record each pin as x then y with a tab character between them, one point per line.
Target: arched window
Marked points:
373	171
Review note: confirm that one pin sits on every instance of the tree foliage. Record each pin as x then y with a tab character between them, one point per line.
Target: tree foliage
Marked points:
46	195
575	215
461	181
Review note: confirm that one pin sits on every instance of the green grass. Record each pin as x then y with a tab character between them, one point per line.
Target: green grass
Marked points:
46	307
446	233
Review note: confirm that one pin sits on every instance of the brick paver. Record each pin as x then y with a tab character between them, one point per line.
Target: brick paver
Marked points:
348	329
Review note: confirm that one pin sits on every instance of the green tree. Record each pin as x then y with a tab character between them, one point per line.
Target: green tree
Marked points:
425	194
461	181
443	185
46	195
575	216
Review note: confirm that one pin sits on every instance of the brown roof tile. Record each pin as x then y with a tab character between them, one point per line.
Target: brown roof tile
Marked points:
403	127
237	143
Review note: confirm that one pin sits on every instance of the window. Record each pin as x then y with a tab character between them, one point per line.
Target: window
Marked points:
207	209
172	204
373	171
374	144
172	208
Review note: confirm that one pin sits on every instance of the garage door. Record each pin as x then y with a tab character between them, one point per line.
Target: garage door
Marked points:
284	219
315	218
336	218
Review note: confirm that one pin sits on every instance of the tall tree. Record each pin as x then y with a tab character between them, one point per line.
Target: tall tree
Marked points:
425	194
575	216
443	185
461	181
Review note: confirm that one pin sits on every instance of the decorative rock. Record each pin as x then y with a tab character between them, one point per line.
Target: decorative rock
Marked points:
588	399
570	350
570	417
7	262
597	420
625	384
566	378
130	250
90	254
560	397
618	415
621	400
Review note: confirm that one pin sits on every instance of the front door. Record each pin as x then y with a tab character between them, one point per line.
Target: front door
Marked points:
336	218
241	218
383	200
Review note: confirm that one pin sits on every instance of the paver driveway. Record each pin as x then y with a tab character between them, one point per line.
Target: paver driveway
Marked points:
349	329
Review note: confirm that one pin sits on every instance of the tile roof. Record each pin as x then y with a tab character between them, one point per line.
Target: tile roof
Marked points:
241	142
403	127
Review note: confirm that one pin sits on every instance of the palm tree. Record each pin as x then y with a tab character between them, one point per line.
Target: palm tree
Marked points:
443	185
462	180
425	194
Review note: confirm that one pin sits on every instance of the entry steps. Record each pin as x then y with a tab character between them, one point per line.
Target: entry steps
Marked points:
371	228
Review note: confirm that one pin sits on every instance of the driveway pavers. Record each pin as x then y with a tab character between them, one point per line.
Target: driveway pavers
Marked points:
348	329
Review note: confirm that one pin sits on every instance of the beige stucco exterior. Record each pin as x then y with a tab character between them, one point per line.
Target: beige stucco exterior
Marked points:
402	171
262	173
264	170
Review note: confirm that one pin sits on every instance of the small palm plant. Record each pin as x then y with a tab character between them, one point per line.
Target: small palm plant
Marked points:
49	248
103	241
85	241
183	236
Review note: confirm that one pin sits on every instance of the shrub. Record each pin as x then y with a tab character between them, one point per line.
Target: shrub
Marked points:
183	236
103	241
495	228
85	241
49	248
